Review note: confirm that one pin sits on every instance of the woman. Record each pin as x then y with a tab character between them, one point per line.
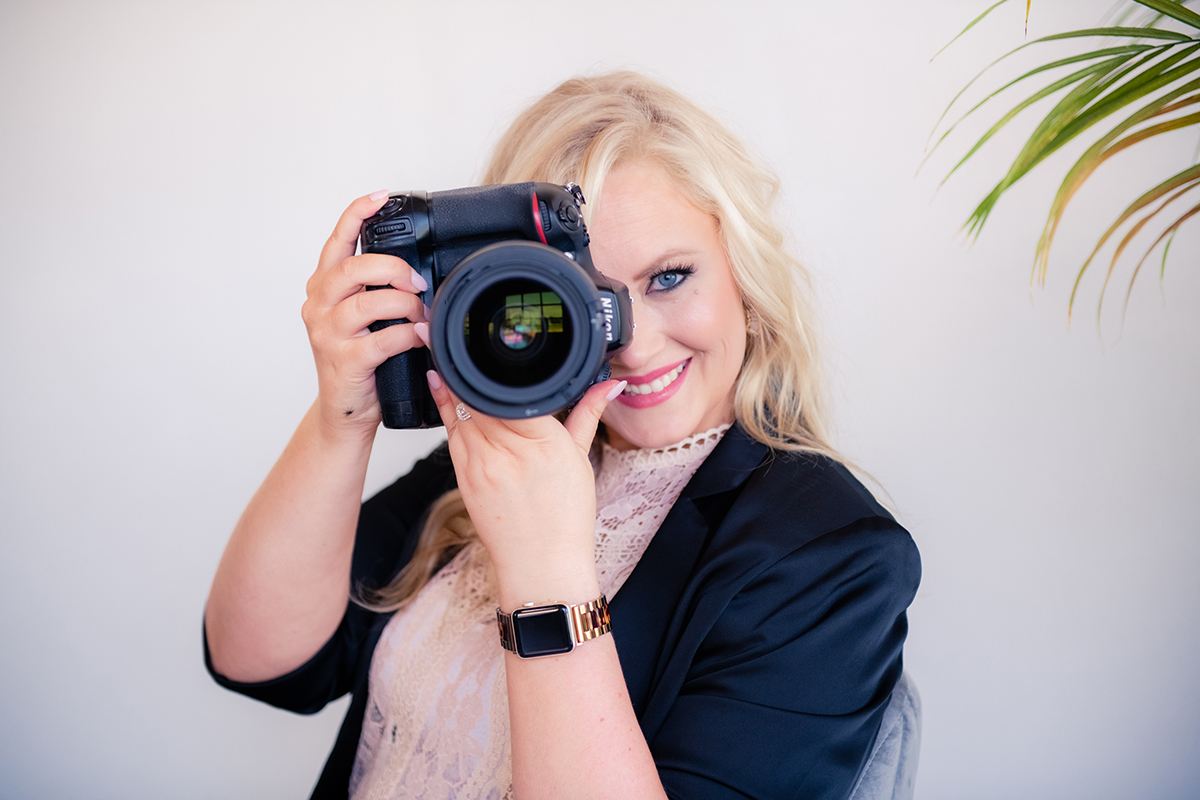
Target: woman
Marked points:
758	592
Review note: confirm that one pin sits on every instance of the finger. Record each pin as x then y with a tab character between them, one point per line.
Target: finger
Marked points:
582	421
354	315
373	349
444	400
422	330
344	239
478	426
331	286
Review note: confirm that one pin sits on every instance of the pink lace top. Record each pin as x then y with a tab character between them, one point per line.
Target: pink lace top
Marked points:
436	725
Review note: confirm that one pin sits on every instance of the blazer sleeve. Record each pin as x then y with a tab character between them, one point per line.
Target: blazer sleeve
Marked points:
389	525
786	692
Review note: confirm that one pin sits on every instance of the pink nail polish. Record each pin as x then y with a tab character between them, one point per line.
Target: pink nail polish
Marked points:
382	193
418	282
435	380
421	329
616	390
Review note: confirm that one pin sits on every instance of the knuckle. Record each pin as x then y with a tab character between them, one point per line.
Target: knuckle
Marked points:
360	304
376	343
320	342
382	344
326	251
335	236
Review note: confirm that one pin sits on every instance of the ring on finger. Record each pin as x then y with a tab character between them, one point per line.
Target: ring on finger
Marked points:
461	412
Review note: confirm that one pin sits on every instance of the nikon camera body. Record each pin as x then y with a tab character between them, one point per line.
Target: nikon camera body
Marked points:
522	321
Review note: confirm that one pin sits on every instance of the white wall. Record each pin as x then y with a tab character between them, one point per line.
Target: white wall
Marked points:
168	173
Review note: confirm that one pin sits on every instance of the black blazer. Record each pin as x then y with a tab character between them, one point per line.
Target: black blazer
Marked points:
760	635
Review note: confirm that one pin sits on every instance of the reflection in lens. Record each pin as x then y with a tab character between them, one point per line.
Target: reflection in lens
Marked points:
517	333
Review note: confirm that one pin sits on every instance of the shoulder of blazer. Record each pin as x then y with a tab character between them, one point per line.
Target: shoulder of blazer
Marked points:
796	496
746	508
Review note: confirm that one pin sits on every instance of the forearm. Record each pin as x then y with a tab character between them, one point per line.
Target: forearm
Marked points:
574	732
283	582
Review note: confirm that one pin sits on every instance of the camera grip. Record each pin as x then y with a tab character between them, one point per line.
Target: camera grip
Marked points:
402	387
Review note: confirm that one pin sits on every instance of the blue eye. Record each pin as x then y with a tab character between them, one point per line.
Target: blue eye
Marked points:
669	278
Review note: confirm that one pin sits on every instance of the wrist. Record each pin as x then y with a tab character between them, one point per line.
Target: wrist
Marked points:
547	582
337	428
332	442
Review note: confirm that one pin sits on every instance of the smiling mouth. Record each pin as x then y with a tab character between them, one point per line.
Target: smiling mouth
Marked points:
656	385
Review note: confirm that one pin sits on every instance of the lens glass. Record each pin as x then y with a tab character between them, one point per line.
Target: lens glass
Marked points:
517	332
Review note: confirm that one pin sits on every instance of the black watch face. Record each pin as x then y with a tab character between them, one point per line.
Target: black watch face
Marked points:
542	631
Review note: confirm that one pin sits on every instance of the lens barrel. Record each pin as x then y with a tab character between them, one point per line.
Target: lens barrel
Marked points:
517	330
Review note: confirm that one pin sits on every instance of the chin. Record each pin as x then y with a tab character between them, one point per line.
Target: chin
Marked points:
648	436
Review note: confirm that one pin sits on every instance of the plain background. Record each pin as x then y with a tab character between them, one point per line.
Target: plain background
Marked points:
168	173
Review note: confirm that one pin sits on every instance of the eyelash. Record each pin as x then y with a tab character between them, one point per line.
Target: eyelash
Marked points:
683	270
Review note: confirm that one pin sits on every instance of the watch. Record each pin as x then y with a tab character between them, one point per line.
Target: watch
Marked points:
550	630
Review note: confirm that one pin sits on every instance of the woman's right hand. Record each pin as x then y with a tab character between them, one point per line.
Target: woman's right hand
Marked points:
282	586
338	312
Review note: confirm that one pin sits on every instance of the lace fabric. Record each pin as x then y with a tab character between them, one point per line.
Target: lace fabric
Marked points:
634	491
436	725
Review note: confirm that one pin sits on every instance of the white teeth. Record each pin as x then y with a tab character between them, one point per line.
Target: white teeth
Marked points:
656	385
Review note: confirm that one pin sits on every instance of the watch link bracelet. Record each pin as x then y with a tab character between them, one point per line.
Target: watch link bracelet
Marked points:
552	630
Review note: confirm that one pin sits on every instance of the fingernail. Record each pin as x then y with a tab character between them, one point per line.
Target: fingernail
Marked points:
616	390
435	380
418	282
382	193
422	331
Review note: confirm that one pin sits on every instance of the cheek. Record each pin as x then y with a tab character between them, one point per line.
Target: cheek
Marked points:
713	325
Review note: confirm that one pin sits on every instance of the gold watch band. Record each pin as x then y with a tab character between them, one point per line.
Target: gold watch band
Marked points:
590	619
585	621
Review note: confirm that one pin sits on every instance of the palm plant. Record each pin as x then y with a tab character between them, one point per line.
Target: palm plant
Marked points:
1147	78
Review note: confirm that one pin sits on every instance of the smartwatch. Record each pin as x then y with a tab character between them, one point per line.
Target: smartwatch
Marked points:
550	630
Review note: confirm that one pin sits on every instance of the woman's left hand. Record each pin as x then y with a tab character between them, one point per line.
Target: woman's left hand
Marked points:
530	490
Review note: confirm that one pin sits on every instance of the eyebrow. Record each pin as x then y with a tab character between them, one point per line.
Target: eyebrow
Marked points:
663	259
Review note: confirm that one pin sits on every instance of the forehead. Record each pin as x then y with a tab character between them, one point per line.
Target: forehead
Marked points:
643	218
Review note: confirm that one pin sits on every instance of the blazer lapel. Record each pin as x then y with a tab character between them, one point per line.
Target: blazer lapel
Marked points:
646	611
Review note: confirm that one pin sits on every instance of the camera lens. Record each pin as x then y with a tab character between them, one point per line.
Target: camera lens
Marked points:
516	332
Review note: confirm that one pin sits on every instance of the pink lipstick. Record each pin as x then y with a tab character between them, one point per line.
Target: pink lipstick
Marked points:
654	387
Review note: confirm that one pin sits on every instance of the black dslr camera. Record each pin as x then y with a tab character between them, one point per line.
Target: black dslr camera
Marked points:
522	322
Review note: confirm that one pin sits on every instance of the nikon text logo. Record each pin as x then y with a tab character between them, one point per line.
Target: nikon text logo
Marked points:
606	307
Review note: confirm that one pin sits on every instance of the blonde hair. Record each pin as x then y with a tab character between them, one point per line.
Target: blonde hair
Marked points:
580	132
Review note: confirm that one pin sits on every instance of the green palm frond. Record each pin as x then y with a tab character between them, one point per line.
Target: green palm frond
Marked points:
1144	83
1104	149
1174	10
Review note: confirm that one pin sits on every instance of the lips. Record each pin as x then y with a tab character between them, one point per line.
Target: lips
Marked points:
654	387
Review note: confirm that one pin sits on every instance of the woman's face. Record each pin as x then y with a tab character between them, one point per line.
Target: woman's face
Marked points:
690	337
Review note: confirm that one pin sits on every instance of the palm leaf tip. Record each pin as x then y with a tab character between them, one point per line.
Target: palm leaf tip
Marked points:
970	25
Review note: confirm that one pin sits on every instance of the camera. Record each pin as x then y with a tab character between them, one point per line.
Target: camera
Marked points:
522	322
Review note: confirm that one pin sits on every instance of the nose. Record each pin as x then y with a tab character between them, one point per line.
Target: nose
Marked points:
646	343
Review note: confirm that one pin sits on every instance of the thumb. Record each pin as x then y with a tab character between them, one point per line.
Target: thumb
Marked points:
582	421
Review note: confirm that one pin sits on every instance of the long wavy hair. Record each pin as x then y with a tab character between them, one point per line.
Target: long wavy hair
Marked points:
580	132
